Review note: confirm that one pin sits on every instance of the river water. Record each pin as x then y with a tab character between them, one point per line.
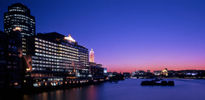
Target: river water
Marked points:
129	89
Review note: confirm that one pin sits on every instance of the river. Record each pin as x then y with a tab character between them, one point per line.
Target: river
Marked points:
129	89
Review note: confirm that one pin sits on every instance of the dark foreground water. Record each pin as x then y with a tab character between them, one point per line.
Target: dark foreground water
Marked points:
129	89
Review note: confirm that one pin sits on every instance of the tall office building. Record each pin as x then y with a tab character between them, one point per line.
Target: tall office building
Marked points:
91	56
19	18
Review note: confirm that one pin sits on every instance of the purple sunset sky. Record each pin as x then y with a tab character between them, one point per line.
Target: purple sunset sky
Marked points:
127	35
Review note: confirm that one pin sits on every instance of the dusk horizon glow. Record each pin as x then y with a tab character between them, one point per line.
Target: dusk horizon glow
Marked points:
127	35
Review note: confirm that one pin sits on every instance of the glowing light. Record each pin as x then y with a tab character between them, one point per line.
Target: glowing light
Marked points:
91	56
35	84
27	69
17	29
165	72
69	38
16	83
39	84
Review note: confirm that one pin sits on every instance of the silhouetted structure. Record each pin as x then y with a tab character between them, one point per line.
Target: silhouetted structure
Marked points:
11	71
97	71
126	74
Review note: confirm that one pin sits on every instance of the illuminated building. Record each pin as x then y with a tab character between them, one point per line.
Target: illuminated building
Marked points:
165	72
50	58
82	51
18	15
18	18
56	57
91	56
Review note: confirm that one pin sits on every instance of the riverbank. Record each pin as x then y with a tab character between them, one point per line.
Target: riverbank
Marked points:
129	89
63	85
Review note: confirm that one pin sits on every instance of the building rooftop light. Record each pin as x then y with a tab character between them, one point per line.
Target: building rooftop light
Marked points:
69	38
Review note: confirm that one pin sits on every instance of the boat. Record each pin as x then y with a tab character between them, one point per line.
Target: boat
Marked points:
157	82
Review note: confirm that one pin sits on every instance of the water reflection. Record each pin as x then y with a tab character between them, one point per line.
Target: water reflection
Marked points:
123	90
82	93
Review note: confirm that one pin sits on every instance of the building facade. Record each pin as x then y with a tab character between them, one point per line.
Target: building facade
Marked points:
54	57
18	16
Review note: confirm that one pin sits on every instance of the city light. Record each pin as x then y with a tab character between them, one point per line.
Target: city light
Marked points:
69	38
17	29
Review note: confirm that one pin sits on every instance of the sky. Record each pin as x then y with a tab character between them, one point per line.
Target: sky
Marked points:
127	35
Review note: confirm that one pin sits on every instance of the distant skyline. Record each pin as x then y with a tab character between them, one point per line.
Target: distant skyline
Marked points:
127	35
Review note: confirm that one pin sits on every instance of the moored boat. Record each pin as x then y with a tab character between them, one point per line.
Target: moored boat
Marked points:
157	83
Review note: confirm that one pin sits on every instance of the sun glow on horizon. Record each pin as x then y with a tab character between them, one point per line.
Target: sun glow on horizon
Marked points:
126	68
